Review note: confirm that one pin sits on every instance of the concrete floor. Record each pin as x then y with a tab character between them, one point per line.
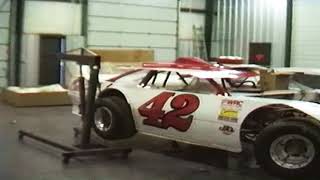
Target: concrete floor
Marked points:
149	160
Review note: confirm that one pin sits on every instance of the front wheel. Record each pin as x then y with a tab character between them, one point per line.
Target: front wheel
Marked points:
113	119
289	149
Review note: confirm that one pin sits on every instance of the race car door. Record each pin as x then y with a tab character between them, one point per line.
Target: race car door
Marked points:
197	117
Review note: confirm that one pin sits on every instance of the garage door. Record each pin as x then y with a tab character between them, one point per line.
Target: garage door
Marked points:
137	24
306	34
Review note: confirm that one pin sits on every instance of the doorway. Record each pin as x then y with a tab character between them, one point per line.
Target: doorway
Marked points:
49	67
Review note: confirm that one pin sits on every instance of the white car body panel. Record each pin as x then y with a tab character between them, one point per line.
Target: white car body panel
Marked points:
213	113
204	129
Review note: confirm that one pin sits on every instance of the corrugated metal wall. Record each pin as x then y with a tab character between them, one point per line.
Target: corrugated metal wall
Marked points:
138	24
239	22
4	40
305	34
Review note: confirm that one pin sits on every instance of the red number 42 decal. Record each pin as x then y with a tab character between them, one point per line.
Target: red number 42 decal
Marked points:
179	118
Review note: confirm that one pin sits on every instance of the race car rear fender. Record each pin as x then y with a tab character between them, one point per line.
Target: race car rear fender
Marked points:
309	109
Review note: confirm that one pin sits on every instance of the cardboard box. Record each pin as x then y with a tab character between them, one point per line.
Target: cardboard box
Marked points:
118	67
274	81
125	55
113	61
28	99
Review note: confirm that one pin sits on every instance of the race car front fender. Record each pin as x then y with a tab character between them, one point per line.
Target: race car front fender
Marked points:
253	104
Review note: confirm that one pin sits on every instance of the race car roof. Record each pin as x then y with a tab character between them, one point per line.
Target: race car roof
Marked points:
189	66
198	68
294	70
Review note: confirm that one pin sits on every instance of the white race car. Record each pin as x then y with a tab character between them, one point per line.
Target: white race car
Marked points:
183	101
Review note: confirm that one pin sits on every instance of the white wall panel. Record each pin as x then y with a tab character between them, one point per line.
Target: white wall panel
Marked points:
154	3
3	82
4	19
52	17
131	40
3	52
163	55
4	40
305	34
3	69
74	42
4	36
5	5
131	11
196	4
136	24
187	20
186	35
131	25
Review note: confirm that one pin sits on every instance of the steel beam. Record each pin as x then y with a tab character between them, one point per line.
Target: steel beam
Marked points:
287	61
208	26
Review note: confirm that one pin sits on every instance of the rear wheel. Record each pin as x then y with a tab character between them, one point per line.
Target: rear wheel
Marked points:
113	119
290	149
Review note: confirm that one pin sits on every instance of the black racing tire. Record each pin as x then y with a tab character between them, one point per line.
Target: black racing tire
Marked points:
276	138
114	113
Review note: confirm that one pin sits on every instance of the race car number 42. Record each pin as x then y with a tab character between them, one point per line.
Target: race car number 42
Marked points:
179	118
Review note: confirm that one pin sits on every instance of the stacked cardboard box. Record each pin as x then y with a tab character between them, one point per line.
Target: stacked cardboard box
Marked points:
42	96
274	81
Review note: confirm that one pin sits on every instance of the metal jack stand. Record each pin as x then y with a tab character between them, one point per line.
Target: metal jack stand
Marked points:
85	148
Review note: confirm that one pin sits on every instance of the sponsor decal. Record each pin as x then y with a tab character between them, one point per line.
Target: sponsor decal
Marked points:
230	110
179	118
227	130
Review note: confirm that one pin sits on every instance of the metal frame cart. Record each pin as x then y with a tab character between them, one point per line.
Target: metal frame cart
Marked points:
87	109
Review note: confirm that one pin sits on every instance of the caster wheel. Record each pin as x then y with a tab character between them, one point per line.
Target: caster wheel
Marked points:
126	153
65	160
76	132
20	137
